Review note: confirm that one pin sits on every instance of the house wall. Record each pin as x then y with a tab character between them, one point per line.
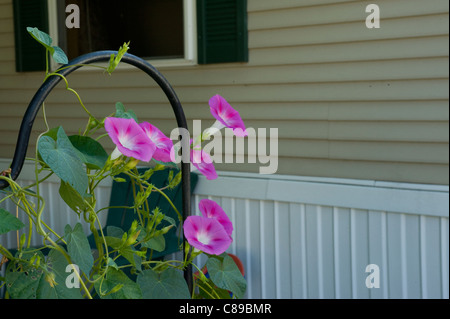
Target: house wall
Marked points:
365	112
348	101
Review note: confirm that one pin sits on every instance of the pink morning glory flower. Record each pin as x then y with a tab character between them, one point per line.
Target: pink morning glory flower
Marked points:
163	144
211	209
129	138
202	161
206	234
226	116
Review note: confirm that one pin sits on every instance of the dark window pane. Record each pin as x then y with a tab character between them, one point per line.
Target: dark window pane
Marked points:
154	27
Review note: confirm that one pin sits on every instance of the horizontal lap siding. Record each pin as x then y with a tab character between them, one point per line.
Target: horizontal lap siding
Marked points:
347	101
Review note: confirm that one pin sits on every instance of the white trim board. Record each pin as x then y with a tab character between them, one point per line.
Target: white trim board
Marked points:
429	200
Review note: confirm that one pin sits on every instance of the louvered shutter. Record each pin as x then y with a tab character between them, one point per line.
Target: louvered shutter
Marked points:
30	55
222	31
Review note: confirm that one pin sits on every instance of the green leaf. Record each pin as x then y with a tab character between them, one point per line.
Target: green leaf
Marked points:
53	133
59	55
115	241
43	38
89	151
48	281
9	222
72	198
114	231
78	248
121	113
112	263
226	275
57	265
62	158
205	290
157	243
168	284
23	280
117	285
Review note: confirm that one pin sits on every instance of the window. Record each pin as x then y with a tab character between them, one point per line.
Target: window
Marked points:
169	31
154	27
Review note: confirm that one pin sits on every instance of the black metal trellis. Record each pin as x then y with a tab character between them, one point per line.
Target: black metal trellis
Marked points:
95	57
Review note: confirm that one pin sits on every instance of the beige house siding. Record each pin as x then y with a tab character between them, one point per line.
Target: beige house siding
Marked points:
348	101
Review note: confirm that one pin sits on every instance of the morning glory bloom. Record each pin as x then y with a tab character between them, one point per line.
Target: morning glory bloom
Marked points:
206	234
163	144
202	161
211	209
225	116
129	138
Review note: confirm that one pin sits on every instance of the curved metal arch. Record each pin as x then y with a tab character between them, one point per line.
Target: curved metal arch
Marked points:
95	57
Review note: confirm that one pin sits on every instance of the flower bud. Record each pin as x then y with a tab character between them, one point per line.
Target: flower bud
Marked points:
50	278
132	163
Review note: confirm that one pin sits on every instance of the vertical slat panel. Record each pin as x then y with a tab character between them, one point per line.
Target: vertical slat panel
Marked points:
297	250
378	251
327	252
268	251
253	250
312	255
282	250
342	252
445	257
430	258
394	255
411	267
359	251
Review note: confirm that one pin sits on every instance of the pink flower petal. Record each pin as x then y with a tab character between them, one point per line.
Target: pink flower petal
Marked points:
224	113
203	162
163	144
206	234
211	209
129	138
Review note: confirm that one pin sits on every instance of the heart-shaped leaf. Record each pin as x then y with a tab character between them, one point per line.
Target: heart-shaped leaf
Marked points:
90	151
115	240
48	281
59	55
23	280
43	38
121	113
57	266
78	248
72	198
62	158
8	222
168	284
117	285
226	275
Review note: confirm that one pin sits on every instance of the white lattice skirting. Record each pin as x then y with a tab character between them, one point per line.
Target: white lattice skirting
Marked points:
301	237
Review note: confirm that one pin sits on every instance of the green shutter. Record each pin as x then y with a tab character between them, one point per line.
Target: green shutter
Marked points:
222	31
30	55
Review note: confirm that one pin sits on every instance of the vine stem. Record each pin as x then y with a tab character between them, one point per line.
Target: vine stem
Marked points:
163	194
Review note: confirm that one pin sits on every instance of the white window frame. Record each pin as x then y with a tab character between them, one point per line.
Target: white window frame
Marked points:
190	38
